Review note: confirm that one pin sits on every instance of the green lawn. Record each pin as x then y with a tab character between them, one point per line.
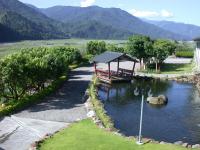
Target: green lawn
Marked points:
7	48
171	69
177	68
85	135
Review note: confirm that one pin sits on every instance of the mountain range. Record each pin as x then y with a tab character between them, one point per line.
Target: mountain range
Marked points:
19	21
188	30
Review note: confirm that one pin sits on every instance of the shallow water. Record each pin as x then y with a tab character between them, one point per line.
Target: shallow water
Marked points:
178	120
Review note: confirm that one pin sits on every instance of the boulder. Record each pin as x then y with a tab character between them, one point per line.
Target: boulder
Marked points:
196	146
160	100
185	144
162	142
178	143
91	114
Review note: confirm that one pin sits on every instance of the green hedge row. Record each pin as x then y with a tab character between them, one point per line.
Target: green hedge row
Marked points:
98	106
185	54
31	70
14	106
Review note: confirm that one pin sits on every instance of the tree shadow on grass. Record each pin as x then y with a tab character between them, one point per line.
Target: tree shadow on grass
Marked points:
173	67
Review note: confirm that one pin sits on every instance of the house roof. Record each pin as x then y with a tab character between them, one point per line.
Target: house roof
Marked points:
108	56
197	39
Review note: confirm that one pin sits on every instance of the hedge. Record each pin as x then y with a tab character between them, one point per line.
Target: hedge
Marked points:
31	70
27	101
185	54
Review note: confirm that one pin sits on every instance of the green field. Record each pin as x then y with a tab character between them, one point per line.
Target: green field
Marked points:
7	48
177	68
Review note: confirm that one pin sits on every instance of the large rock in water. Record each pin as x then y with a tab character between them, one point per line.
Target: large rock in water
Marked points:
160	100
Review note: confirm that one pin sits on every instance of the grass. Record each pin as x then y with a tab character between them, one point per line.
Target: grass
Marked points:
85	135
177	68
171	69
7	48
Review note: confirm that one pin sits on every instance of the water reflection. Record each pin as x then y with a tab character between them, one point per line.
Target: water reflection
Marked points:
178	120
123	93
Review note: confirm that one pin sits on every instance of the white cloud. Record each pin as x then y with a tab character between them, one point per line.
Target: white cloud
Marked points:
141	13
86	3
165	13
151	14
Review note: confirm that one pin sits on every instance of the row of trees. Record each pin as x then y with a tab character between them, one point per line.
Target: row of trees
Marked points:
142	47
150	51
30	70
98	47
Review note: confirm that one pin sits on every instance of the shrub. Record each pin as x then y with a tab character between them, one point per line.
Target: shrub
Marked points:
185	54
114	48
14	106
30	70
96	47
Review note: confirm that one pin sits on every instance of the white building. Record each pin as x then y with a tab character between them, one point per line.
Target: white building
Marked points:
197	53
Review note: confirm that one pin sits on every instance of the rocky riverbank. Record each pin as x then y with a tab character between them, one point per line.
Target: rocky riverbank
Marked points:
195	79
187	78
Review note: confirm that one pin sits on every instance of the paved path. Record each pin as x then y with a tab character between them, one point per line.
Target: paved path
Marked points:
56	112
178	60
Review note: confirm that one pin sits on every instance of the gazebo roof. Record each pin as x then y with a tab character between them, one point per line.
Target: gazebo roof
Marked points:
109	56
197	39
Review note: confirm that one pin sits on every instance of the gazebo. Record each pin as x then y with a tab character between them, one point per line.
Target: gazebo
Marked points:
110	75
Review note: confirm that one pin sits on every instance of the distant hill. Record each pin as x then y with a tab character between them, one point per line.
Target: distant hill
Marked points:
192	31
96	30
27	22
7	32
19	21
114	18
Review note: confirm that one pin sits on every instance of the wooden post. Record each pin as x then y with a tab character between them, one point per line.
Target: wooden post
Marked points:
95	68
117	66
133	71
109	70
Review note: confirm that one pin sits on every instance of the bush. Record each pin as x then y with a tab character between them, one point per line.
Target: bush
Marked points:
31	70
96	47
114	48
185	54
14	106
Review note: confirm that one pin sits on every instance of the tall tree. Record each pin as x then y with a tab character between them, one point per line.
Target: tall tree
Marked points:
140	46
96	47
161	50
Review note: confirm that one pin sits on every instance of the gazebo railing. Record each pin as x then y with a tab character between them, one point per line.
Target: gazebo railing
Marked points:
125	72
121	73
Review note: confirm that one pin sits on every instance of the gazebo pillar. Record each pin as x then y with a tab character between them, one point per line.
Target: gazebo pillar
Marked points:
117	66
109	70
133	71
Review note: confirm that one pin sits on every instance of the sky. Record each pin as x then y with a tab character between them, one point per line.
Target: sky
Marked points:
186	11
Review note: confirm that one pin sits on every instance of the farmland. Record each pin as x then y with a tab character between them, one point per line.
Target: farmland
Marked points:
7	48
